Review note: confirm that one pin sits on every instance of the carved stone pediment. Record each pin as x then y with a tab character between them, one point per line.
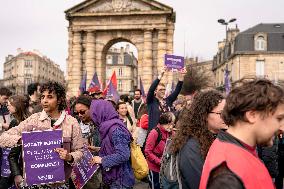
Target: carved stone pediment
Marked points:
113	6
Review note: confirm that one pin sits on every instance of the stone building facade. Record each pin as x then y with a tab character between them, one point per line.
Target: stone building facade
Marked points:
29	67
95	25
124	63
257	51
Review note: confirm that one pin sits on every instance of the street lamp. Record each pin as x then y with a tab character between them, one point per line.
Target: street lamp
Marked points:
223	22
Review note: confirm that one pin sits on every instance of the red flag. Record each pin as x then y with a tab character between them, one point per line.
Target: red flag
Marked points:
112	80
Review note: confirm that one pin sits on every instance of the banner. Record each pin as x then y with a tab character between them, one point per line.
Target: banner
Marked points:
83	171
174	63
42	164
5	166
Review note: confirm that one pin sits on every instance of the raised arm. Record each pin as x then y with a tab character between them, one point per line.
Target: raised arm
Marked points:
151	91
172	97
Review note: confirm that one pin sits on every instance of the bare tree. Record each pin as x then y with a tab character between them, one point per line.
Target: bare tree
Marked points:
195	80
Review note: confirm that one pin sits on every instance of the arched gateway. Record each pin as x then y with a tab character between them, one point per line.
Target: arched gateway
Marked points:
95	25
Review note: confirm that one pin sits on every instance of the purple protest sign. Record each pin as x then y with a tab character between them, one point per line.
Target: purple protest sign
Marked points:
42	164
5	166
174	63
83	171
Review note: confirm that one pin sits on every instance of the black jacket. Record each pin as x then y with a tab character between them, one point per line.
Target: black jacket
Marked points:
16	161
190	164
269	155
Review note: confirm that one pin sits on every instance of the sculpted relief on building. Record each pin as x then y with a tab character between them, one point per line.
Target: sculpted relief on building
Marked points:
95	25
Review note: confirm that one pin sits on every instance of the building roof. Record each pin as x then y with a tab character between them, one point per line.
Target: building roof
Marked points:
129	60
275	37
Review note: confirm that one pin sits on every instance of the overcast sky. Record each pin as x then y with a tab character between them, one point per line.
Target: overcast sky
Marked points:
41	24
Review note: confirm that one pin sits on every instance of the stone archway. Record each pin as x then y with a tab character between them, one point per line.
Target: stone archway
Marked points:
96	24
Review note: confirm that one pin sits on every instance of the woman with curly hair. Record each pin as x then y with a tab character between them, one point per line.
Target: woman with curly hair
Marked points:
197	128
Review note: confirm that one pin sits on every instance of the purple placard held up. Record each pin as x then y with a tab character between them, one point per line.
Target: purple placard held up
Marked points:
83	171
42	164
5	166
173	62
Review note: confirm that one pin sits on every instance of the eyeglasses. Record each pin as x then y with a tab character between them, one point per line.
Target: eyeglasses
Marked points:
82	112
218	113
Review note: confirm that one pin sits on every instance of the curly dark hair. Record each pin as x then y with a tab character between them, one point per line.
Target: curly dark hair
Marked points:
32	88
193	121
257	95
59	91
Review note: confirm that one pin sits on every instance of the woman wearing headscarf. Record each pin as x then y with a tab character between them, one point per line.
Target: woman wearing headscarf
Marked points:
114	155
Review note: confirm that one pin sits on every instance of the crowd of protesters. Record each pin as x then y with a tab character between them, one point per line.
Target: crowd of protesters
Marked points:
219	141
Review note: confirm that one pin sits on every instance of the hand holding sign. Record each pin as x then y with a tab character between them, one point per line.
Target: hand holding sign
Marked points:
83	171
19	181
182	73
96	160
63	154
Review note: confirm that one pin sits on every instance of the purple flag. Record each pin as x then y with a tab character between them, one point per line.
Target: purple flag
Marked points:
95	82
42	164
83	171
142	88
83	83
227	82
112	92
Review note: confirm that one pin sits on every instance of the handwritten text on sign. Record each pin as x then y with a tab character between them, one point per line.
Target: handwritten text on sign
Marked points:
83	171
175	63
42	164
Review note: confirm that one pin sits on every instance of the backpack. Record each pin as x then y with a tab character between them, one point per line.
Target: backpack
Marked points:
138	162
158	139
169	171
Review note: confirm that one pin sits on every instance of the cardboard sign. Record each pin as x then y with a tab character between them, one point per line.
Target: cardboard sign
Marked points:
5	166
42	164
83	171
174	63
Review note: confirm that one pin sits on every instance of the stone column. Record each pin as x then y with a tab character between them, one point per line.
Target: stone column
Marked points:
76	63
90	55
147	77
162	50
69	58
140	46
170	49
100	68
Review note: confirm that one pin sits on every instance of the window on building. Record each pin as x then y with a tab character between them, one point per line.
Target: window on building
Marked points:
109	59
28	63
120	60
260	43
109	72
259	68
120	71
119	85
